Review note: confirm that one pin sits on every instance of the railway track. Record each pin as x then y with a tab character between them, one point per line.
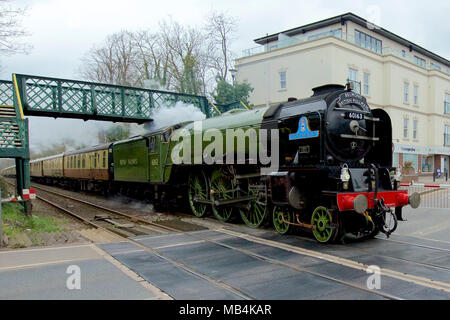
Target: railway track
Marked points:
115	214
156	228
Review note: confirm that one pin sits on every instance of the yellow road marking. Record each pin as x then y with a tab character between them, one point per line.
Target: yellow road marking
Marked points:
43	249
23	266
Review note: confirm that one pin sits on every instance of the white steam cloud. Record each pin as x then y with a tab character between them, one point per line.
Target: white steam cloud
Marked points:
169	115
45	132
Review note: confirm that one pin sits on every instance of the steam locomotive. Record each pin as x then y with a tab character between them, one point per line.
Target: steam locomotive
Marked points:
334	175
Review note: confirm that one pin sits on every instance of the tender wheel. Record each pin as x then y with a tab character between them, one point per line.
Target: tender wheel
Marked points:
222	187
280	215
198	189
322	220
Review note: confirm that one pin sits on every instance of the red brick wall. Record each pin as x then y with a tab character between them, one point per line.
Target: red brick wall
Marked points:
437	162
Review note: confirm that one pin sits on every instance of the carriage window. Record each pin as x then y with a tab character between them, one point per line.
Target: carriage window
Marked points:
95	160
79	161
84	161
104	159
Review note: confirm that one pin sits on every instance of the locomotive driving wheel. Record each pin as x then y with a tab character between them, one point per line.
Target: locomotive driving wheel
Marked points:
256	212
198	191
222	188
281	217
322	221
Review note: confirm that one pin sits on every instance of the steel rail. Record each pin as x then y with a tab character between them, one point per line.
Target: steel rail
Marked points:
94	205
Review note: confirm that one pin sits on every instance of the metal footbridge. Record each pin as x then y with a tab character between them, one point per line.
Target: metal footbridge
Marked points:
62	98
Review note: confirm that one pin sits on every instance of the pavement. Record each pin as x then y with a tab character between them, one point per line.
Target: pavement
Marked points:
44	273
429	179
428	223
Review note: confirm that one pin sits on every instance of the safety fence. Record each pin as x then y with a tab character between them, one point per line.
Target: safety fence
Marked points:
431	195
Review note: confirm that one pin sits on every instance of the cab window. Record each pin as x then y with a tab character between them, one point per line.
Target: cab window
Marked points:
152	144
166	135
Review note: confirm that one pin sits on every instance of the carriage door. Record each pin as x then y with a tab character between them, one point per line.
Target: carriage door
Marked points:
155	171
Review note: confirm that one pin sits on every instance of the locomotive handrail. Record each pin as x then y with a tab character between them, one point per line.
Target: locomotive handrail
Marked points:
349	136
353	110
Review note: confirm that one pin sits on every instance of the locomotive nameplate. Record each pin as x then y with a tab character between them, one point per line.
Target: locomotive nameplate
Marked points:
352	98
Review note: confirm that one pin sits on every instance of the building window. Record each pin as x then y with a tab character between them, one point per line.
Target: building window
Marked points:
447	136
366	83
416	94
283	79
447	103
335	33
405	92
434	66
415	125
368	42
353	77
419	61
405	128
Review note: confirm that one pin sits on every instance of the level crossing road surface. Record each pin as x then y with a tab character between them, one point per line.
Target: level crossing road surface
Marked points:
235	262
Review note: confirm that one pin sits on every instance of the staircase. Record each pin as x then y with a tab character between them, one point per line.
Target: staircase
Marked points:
9	128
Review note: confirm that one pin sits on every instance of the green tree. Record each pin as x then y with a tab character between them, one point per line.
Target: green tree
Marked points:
228	93
116	133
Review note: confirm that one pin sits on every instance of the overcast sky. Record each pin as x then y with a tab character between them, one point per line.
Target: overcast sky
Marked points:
63	30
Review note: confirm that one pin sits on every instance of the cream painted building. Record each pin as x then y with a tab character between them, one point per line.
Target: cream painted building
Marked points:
411	83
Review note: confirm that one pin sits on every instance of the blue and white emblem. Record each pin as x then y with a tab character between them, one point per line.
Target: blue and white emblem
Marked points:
303	131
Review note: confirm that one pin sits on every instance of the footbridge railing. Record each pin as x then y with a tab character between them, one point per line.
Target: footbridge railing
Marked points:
54	97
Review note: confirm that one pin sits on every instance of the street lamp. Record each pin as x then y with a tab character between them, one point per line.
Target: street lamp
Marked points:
233	74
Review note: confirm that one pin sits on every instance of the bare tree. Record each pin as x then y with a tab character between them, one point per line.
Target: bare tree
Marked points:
185	49
220	28
152	61
11	30
185	59
114	62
